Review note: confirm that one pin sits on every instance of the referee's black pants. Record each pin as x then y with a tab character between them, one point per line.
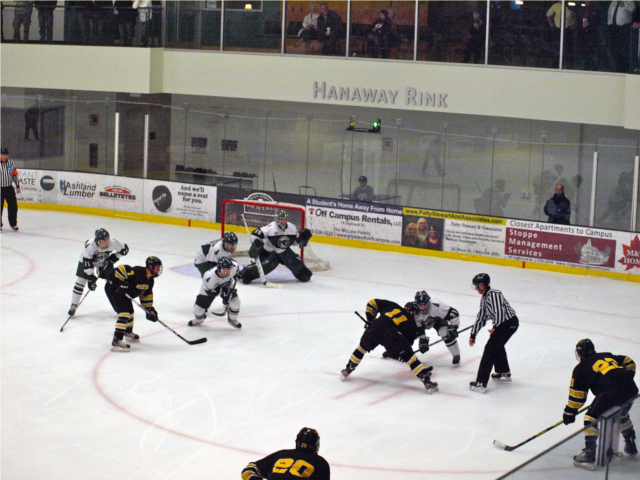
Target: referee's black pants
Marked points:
494	351
9	194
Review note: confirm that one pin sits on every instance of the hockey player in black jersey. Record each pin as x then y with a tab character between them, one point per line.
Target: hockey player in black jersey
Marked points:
96	261
124	284
390	325
272	244
610	379
301	462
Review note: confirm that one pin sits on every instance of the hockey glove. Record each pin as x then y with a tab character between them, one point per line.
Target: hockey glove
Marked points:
124	251
256	246
152	315
424	344
303	237
92	283
569	415
228	294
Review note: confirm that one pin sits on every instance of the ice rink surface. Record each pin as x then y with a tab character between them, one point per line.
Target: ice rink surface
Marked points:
72	409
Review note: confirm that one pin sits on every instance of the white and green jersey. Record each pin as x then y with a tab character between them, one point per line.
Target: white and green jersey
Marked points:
94	256
210	252
212	282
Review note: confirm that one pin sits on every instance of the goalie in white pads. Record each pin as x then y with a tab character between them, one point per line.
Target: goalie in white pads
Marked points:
209	254
218	281
432	313
272	244
100	253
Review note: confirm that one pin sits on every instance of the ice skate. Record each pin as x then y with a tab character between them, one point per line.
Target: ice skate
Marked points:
478	387
630	447
72	309
234	323
348	370
425	376
197	321
119	346
587	459
456	361
133	337
502	377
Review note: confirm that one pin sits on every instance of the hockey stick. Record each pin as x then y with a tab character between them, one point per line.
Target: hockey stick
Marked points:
259	264
502	446
362	318
190	342
79	303
442	339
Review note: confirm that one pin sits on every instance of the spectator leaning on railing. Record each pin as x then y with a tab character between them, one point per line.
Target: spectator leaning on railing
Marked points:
22	11
45	20
620	19
558	207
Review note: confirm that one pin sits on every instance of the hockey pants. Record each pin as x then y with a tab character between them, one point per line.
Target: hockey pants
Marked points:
270	260
124	308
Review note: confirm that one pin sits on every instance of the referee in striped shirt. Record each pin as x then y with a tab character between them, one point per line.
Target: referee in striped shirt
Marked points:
495	307
9	175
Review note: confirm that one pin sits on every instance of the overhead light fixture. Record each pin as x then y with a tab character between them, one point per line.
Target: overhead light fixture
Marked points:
571	4
519	2
248	6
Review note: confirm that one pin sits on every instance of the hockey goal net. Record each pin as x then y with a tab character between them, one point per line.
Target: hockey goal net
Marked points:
258	214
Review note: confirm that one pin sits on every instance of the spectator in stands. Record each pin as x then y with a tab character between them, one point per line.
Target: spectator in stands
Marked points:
588	23
329	29
475	44
394	36
558	207
2	20
411	239
144	13
363	193
620	20
554	17
126	20
23	11
493	200
80	13
379	35
636	35
45	20
309	30
434	242
31	119
156	24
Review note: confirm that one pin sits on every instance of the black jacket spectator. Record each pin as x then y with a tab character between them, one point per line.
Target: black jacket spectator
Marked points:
329	29
558	207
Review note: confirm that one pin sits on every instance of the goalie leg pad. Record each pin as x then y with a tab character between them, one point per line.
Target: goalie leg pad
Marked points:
292	261
269	261
249	274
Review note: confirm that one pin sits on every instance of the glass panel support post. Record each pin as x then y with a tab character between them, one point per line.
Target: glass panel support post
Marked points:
116	141
594	182
145	158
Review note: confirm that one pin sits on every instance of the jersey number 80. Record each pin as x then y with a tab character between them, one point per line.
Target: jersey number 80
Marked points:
284	464
603	366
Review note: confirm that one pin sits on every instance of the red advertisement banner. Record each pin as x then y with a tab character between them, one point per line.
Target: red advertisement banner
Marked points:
559	247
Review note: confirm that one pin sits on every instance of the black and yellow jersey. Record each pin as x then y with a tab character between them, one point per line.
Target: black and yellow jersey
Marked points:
288	465
132	281
395	314
600	372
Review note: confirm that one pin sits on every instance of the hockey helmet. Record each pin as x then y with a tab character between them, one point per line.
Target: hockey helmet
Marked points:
411	308
102	238
229	241
308	439
225	263
154	265
584	348
281	219
481	278
422	298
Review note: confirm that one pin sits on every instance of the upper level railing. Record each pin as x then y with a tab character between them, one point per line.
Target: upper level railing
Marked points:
591	36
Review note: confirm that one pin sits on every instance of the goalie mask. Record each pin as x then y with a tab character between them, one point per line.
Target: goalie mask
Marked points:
281	219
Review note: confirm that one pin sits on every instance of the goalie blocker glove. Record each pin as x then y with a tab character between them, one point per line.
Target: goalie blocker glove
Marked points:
303	237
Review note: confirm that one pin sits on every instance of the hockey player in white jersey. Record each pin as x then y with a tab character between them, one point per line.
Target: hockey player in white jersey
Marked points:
432	313
210	253
272	243
96	261
219	281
